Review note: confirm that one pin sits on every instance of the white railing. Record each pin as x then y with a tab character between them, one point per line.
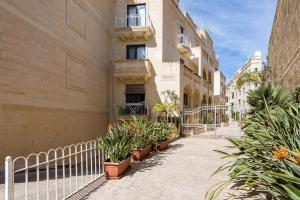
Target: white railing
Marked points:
137	20
182	39
56	174
132	109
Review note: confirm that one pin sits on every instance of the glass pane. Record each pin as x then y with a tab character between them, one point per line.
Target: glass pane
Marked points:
131	18
141	52
141	12
131	53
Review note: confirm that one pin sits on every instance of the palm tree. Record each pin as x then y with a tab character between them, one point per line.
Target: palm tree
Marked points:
163	109
250	77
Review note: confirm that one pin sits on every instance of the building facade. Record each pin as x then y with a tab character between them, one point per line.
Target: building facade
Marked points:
69	67
284	46
55	63
237	97
158	47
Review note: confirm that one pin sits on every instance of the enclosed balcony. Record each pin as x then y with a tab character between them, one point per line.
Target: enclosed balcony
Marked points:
134	27
133	70
184	46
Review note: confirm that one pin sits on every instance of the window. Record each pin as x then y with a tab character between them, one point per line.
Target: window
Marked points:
232	95
255	85
181	30
209	78
185	99
204	74
135	93
244	103
136	15
244	90
136	52
255	69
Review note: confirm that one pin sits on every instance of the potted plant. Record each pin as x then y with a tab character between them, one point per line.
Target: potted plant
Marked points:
160	135
117	145
141	146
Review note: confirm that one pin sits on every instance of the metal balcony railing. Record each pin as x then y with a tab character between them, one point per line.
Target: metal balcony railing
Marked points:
182	39
133	21
132	109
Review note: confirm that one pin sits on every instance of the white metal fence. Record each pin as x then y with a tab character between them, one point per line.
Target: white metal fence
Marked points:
56	174
210	118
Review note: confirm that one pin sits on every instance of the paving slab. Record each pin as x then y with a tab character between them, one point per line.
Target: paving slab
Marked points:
181	172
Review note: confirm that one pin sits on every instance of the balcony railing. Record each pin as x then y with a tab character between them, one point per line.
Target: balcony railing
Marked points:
134	27
184	45
182	39
132	109
133	21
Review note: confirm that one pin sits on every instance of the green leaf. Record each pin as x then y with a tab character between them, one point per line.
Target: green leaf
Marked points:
293	192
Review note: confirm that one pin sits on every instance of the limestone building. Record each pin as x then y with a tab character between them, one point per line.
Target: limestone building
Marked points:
237	98
284	46
68	67
158	47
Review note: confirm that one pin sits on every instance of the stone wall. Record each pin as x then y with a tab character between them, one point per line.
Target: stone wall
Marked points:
284	47
54	73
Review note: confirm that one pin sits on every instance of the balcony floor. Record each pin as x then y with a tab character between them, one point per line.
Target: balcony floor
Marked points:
182	172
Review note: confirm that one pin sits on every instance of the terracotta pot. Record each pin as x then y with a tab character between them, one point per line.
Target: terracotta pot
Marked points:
115	170
163	145
139	154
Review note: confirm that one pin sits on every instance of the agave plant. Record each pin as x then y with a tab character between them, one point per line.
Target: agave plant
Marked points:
142	130
162	132
267	159
117	143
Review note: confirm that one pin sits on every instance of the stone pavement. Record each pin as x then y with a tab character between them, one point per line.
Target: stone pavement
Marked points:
182	172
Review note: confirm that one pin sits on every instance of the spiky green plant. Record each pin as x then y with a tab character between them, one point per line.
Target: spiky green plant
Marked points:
266	161
162	131
142	130
117	142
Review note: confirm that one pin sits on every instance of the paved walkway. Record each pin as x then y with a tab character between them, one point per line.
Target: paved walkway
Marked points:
182	172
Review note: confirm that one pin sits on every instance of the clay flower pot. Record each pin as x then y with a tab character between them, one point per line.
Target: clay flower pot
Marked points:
163	145
139	154
115	170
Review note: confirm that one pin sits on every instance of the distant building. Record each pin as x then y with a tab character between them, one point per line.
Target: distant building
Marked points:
237	98
284	46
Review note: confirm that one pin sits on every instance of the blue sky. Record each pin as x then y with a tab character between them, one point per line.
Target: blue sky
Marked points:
238	27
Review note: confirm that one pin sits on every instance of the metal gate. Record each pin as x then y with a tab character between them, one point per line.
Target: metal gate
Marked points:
212	121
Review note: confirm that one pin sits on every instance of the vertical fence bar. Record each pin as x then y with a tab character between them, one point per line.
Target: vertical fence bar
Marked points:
91	158
9	179
26	179
70	170
37	177
81	168
56	179
47	172
64	172
76	169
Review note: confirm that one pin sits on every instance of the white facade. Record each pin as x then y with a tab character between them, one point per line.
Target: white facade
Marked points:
219	88
237	98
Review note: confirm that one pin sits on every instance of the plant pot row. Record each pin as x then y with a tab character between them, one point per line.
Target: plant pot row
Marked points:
115	170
